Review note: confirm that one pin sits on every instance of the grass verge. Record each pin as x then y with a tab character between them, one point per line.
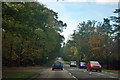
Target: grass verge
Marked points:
67	62
18	75
113	71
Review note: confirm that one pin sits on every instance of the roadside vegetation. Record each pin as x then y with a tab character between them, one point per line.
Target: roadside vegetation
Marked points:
94	40
67	62
18	75
113	71
30	34
24	72
31	38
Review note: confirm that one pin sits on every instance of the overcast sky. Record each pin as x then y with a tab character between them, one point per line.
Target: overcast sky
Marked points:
74	12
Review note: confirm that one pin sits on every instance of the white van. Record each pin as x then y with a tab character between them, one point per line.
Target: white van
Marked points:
73	64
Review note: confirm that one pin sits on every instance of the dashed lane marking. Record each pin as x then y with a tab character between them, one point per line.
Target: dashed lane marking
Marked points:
75	77
70	73
100	73
89	72
105	72
111	73
112	77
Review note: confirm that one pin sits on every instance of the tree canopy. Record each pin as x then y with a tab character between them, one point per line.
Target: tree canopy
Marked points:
30	32
94	40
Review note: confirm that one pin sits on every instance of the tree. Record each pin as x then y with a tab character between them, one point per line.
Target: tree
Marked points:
93	41
116	19
31	32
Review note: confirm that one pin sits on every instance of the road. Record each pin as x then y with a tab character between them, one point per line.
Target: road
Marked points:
75	73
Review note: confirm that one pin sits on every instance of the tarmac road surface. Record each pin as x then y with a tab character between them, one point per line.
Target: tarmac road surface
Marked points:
75	73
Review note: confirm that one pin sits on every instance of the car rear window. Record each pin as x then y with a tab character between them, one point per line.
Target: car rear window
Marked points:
94	63
73	61
82	62
57	63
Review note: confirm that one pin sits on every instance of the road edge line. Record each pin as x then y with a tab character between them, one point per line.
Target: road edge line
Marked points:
71	75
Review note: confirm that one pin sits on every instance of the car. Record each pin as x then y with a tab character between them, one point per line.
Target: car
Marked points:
94	65
57	65
73	64
82	65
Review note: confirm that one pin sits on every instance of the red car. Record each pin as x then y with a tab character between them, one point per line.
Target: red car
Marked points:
94	65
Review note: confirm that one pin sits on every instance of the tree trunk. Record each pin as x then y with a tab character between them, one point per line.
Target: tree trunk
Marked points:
10	58
19	55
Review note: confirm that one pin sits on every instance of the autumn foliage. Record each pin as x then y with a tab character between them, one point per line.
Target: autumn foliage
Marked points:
93	41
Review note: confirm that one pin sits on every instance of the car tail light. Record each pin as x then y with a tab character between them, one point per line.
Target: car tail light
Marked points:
91	65
61	65
53	65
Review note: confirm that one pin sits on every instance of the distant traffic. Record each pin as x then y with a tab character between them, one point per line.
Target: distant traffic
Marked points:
90	66
57	65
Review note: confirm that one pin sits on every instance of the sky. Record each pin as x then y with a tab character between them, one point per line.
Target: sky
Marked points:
74	12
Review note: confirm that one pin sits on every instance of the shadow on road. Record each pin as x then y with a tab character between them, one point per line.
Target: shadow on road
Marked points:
57	70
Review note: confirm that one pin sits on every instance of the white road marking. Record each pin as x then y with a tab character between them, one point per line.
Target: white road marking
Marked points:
70	73
89	72
112	77
100	73
105	72
111	73
71	69
75	77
